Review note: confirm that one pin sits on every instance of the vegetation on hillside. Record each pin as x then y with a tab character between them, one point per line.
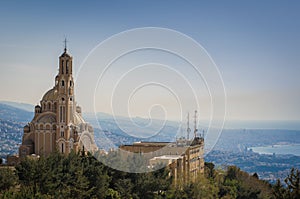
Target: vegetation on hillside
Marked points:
82	176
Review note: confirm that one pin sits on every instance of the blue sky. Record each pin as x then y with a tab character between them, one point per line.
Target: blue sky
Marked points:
255	44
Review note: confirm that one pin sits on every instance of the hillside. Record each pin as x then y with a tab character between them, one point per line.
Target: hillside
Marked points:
11	113
83	176
232	148
12	121
19	105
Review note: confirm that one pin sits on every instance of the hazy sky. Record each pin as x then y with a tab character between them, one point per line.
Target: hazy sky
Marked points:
255	44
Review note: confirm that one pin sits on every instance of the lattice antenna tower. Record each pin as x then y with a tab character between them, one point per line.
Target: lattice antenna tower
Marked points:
195	124
188	130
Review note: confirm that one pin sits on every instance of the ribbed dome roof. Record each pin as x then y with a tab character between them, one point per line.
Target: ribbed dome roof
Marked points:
50	95
48	118
78	119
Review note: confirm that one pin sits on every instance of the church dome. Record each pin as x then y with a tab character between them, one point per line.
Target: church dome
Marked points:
50	95
48	118
78	119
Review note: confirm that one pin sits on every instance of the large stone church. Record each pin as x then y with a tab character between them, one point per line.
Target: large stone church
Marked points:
57	123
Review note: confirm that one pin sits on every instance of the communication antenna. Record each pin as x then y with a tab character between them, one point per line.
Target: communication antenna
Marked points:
188	130
195	124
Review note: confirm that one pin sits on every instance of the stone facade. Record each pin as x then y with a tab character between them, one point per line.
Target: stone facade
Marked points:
184	157
57	123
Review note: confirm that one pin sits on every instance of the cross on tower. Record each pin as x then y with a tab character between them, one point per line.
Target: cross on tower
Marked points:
65	42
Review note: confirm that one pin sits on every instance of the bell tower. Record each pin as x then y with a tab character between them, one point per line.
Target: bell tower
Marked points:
57	123
66	101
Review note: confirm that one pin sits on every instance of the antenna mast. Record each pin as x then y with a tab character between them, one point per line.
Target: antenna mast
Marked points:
188	130
195	123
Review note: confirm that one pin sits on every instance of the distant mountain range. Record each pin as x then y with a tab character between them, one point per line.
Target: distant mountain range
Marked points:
23	112
19	105
15	113
124	130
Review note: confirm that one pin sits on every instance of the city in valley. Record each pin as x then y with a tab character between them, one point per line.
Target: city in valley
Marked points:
232	148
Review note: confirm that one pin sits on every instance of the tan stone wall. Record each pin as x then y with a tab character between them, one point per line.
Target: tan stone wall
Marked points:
184	170
140	148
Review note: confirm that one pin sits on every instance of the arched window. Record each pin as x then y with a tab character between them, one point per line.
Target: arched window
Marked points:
62	147
62	66
54	107
70	83
47	127
62	83
62	113
67	67
49	106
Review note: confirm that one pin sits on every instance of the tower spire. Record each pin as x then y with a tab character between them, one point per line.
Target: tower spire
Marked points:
65	42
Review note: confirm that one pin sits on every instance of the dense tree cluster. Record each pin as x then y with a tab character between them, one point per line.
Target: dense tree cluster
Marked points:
292	188
83	176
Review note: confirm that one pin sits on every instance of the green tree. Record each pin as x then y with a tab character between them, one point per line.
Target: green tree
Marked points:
232	173
255	175
7	179
209	169
124	188
229	188
29	174
150	184
279	192
293	183
60	176
112	194
66	179
242	185
97	176
204	188
177	193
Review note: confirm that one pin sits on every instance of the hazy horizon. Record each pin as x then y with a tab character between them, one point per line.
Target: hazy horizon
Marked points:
229	124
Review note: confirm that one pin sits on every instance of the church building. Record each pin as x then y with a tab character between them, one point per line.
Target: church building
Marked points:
57	123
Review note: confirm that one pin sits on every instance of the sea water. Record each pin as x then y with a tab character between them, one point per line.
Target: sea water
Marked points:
293	149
